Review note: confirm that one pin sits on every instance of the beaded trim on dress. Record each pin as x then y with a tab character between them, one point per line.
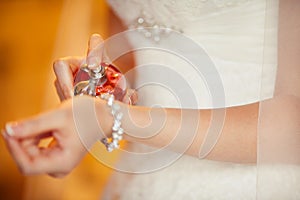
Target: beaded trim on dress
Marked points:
155	13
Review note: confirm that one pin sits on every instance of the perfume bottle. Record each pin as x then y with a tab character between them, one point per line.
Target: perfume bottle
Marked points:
106	78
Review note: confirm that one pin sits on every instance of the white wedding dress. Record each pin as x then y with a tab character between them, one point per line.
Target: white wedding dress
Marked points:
240	38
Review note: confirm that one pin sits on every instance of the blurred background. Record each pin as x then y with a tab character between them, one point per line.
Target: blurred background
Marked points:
33	34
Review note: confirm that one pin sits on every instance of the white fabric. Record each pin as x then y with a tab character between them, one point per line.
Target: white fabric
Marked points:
232	33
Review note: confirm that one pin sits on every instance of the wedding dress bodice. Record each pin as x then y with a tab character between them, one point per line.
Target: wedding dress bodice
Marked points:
240	37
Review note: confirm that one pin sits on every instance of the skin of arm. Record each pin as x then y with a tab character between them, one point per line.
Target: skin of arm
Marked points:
238	139
237	142
157	127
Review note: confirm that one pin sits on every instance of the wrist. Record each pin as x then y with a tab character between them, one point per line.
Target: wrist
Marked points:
111	142
92	119
104	118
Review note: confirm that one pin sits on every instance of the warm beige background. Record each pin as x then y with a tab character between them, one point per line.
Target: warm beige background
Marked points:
31	36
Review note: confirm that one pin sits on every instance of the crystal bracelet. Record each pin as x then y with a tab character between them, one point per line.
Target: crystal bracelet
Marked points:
112	142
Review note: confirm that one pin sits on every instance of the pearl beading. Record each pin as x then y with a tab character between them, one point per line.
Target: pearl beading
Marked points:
112	142
156	28
151	29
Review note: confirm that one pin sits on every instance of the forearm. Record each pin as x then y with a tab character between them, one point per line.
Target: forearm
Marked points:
238	137
184	130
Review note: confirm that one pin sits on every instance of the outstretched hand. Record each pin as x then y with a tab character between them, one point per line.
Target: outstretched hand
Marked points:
72	138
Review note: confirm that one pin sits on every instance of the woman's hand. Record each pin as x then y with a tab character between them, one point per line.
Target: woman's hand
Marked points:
66	68
73	129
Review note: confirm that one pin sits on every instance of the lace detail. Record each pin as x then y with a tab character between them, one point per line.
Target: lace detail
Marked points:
232	32
170	13
156	31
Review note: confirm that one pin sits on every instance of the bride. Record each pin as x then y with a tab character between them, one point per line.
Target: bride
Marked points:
216	118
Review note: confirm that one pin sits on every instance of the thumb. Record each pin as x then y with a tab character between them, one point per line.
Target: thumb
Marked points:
95	51
33	126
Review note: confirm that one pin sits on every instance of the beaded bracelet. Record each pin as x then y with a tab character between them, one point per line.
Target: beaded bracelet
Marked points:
112	142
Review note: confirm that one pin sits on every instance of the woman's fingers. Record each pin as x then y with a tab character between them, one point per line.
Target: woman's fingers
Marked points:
65	69
131	97
38	162
64	77
32	159
50	160
59	90
19	154
35	126
95	51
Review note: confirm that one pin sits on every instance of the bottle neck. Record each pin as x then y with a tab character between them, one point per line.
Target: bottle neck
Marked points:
96	75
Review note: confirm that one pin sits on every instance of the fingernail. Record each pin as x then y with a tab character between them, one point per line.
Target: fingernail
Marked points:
9	130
